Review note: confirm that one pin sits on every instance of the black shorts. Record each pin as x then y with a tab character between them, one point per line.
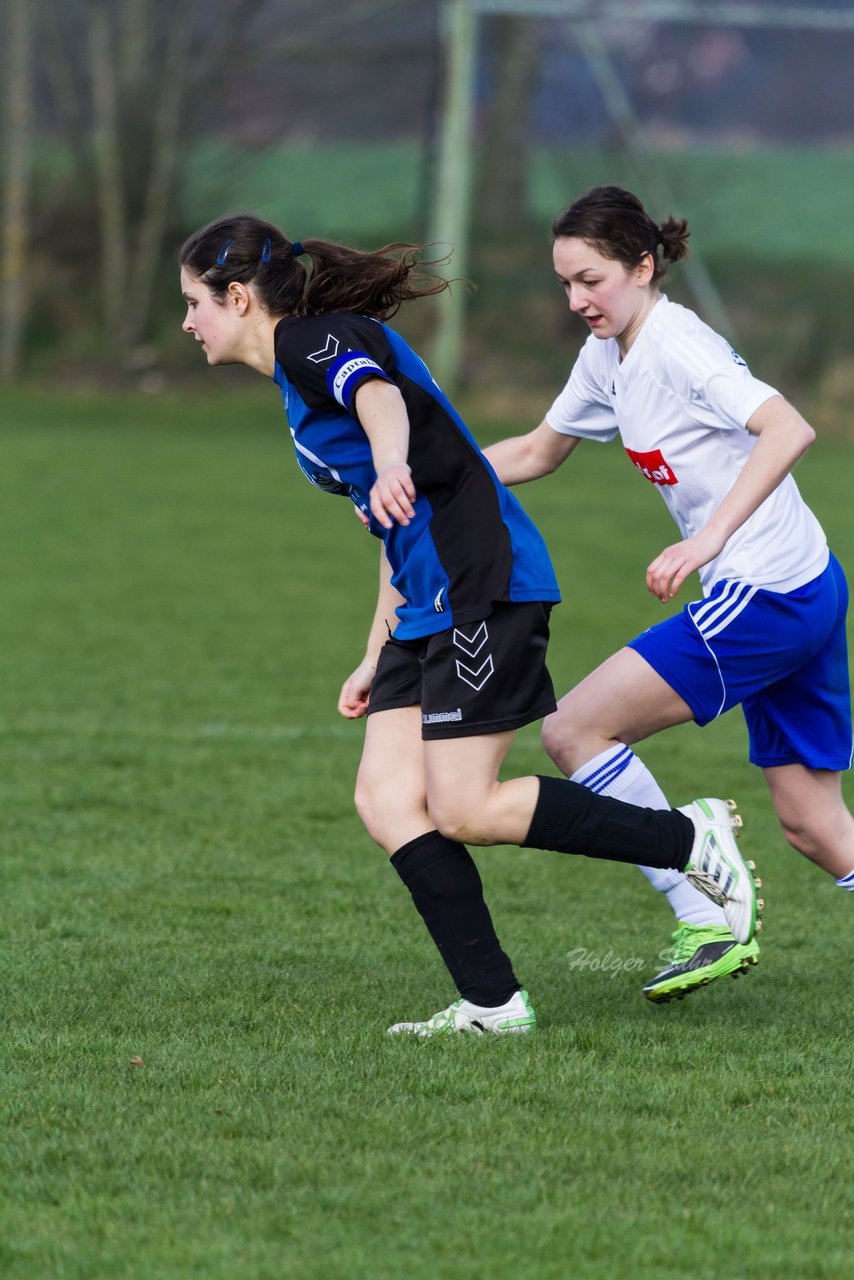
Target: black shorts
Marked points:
482	677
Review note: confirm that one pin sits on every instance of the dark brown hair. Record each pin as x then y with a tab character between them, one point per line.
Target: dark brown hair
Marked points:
247	249
615	222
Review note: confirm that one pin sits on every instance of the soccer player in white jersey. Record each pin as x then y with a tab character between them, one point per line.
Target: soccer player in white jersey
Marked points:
769	632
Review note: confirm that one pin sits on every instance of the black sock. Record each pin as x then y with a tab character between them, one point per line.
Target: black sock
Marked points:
447	891
572	819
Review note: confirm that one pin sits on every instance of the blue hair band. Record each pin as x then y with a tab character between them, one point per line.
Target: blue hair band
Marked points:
298	249
223	253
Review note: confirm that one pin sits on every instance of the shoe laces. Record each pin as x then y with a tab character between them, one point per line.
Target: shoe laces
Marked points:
688	937
684	944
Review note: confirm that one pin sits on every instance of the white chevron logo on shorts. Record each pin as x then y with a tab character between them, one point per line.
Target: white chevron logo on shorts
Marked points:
472	644
477	679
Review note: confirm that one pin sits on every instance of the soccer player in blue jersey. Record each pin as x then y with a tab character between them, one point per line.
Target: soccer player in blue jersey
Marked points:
769	632
455	659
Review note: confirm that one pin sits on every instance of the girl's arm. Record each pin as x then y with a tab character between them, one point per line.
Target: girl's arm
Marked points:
528	457
783	437
384	420
353	699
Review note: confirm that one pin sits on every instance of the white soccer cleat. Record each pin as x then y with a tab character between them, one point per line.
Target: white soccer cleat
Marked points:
717	868
516	1016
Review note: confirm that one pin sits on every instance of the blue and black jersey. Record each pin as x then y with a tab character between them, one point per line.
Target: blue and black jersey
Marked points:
470	543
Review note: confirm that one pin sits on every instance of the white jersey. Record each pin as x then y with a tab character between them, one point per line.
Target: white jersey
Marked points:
680	400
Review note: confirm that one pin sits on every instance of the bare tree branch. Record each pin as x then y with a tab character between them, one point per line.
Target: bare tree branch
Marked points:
108	167
165	150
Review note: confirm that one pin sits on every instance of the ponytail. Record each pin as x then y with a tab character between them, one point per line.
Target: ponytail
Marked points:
246	249
673	236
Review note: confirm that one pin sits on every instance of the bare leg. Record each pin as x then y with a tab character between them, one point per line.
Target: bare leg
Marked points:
465	798
391	791
813	815
623	700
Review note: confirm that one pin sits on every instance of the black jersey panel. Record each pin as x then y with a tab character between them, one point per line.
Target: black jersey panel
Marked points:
471	539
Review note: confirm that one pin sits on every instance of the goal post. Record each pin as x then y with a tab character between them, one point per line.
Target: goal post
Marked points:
450	220
451	214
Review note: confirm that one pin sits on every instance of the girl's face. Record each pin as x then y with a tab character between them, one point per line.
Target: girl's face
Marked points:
613	300
214	324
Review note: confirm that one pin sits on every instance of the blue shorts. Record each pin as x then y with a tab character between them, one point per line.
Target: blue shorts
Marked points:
783	657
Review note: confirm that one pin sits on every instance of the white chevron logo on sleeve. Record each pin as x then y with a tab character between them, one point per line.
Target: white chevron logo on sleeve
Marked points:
329	352
472	644
477	679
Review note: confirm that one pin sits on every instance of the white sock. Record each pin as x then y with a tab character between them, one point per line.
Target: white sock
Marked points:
619	773
847	882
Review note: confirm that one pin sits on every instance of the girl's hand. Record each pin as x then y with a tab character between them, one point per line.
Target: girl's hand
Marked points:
668	571
393	495
355	691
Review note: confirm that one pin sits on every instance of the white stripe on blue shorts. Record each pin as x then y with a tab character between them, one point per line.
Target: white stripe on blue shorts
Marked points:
722	607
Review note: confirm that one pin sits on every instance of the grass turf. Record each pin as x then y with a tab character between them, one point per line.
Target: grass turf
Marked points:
201	948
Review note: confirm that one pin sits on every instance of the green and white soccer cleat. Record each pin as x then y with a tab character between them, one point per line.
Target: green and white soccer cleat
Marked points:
718	870
516	1016
700	953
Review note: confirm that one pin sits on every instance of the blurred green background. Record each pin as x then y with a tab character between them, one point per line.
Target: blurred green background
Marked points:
127	125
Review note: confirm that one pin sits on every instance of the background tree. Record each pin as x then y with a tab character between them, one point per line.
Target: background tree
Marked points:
130	83
16	184
505	154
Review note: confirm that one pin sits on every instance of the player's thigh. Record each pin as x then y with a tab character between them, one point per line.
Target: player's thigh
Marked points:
463	771
465	798
391	785
623	699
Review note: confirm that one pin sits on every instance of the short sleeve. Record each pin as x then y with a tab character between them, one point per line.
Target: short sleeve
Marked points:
327	357
734	399
716	383
583	407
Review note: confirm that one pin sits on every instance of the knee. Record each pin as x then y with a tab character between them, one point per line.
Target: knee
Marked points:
365	804
551	736
792	830
807	838
450	822
561	736
454	820
390	810
372	805
807	831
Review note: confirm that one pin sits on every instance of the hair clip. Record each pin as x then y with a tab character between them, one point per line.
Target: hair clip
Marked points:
268	252
223	253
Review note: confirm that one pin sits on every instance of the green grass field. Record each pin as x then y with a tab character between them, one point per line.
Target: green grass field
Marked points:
202	949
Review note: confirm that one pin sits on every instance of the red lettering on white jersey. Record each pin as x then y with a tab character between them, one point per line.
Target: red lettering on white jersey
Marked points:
653	466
